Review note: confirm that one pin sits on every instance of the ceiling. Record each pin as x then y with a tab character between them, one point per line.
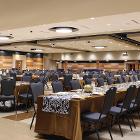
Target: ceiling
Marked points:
88	44
28	20
26	13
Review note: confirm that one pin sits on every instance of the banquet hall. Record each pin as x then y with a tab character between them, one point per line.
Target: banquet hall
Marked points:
69	70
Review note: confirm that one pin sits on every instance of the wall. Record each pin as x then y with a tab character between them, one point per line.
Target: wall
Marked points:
132	55
29	60
49	63
6	59
97	56
18	56
113	66
34	61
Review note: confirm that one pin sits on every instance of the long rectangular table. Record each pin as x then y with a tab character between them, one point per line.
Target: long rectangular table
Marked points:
69	126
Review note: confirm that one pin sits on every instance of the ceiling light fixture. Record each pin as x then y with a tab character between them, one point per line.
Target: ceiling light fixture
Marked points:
125	54
36	50
108	24
5	38
63	30
99	47
92	18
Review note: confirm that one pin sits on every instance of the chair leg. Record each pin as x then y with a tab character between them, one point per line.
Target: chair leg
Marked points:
15	106
138	114
109	130
27	103
129	122
118	121
32	120
112	121
133	121
97	132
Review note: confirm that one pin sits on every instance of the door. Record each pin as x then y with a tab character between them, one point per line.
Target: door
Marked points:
19	64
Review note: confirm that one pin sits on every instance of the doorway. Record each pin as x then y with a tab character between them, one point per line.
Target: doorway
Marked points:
19	64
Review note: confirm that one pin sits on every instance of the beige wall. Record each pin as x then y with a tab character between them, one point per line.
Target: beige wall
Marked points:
49	63
132	55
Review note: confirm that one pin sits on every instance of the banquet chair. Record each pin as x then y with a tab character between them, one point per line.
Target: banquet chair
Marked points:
109	81
88	81
55	77
100	82
67	79
117	112
97	118
131	79
75	84
13	74
135	104
57	86
27	78
7	91
25	96
125	79
119	80
44	80
135	77
37	89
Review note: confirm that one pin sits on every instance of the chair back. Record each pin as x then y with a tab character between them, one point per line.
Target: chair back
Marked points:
75	84
27	78
109	100
137	99
135	77
8	87
100	82
55	77
125	79
119	79
13	74
67	79
130	94
57	86
131	79
110	80
88	81
37	90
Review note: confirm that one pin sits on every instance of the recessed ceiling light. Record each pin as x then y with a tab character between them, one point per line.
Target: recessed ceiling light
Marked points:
108	24
63	29
92	18
125	54
121	29
99	47
36	50
5	38
125	60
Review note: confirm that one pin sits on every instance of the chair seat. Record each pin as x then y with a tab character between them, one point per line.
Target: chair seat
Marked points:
25	95
120	104
92	117
5	98
116	110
